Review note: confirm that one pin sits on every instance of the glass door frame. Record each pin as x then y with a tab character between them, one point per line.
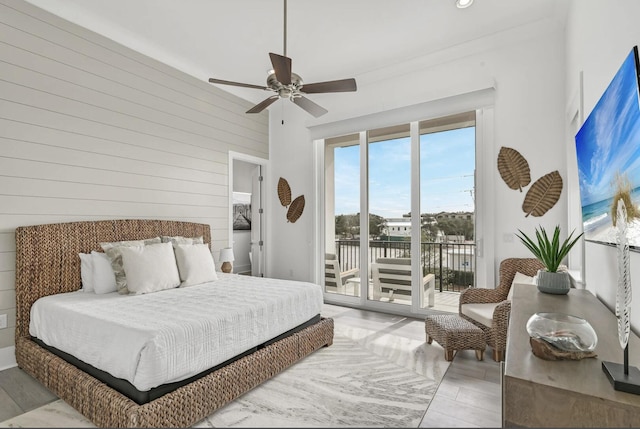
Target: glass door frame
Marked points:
416	270
485	274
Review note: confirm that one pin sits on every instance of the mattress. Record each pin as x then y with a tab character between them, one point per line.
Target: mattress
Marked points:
168	336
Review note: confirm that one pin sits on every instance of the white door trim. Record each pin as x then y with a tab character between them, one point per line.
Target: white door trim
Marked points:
264	163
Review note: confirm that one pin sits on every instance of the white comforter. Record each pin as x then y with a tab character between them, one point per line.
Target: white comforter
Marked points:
171	335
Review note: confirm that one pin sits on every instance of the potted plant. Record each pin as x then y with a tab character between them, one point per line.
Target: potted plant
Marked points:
550	253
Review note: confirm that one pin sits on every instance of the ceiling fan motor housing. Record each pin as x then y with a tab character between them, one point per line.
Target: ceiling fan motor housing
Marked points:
285	91
292	88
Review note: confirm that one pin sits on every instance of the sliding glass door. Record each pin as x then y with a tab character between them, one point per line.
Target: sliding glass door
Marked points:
447	201
400	215
342	216
389	214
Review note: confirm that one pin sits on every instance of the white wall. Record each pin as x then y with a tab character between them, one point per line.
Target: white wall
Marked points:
526	66
290	245
599	37
92	130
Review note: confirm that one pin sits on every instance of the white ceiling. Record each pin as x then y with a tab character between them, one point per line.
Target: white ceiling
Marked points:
326	39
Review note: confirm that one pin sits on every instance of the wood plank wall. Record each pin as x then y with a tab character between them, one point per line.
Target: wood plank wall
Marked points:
92	130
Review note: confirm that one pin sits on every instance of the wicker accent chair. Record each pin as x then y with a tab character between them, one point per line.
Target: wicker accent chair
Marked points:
489	308
334	278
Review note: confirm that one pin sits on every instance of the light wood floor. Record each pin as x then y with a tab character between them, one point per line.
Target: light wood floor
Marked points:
468	396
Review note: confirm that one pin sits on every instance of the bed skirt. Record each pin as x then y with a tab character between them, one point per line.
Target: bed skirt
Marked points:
185	406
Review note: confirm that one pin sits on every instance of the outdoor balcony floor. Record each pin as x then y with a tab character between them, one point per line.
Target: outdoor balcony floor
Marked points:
443	301
446	301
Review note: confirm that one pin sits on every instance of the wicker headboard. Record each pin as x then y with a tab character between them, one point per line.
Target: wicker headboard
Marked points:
47	259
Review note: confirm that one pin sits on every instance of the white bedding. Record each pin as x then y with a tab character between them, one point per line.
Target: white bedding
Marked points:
170	335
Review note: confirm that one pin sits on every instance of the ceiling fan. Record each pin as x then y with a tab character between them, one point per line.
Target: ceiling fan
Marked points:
289	85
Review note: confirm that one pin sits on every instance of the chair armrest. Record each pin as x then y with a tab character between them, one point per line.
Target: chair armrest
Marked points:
429	289
429	278
349	274
480	296
500	324
375	278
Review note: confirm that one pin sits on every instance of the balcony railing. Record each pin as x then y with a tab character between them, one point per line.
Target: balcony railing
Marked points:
453	264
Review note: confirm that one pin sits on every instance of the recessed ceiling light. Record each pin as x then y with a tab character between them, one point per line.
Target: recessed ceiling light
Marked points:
463	3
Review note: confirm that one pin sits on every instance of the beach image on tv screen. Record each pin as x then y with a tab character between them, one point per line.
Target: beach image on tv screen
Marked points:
608	151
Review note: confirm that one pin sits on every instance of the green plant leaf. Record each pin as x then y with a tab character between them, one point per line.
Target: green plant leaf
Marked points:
549	251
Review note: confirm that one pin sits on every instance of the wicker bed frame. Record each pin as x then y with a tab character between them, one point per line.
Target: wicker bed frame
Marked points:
47	263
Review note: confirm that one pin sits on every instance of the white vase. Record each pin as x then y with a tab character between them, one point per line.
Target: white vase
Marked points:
555	283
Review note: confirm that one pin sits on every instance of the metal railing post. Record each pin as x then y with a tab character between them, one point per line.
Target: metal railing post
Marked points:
440	264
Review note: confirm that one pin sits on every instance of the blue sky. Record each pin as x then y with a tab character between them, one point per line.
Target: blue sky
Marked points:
609	140
446	176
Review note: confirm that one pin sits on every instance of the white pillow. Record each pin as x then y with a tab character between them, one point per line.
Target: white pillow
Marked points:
520	279
86	271
103	279
112	249
150	268
195	264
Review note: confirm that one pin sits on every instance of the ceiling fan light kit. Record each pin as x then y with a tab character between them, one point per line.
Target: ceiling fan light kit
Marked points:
286	84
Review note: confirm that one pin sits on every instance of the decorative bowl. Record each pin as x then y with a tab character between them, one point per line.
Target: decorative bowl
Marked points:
564	331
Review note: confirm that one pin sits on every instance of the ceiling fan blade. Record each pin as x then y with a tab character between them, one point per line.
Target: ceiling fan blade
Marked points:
244	85
263	104
344	85
282	67
311	107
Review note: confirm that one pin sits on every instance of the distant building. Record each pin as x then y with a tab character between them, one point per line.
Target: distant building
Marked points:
396	229
452	238
456	215
400	228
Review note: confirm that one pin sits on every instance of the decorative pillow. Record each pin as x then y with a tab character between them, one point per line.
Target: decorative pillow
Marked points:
86	271
195	264
519	278
113	252
104	279
178	239
150	268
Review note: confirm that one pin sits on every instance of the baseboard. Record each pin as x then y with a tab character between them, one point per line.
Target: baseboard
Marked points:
8	357
241	268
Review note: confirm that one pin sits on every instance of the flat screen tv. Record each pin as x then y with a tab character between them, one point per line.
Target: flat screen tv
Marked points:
608	151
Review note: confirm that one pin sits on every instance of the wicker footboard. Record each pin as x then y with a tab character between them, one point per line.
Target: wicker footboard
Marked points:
183	407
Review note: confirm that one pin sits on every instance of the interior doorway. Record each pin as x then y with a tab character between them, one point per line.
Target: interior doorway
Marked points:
247	213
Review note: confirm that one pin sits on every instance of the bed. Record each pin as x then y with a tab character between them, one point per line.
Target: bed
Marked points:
47	263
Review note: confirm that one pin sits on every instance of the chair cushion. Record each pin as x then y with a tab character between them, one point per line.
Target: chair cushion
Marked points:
482	313
520	278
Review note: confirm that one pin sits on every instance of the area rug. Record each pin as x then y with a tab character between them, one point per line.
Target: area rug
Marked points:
365	379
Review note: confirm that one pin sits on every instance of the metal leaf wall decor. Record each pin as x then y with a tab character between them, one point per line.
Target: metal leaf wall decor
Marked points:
284	192
296	207
295	210
513	168
543	194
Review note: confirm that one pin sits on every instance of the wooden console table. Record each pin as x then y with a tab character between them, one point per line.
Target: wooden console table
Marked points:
540	393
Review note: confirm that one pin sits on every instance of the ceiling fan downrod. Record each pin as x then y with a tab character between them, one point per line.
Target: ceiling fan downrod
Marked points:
286	84
284	54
